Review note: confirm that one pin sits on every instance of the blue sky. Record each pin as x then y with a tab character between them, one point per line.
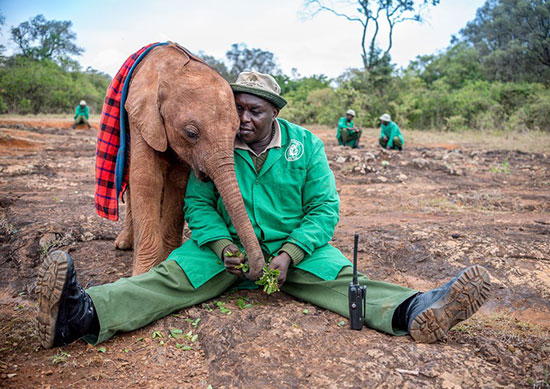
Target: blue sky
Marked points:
111	30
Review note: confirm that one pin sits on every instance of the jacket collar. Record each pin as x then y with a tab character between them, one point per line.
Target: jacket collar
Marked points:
276	151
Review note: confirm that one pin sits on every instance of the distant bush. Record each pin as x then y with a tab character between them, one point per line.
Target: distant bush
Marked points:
42	86
419	103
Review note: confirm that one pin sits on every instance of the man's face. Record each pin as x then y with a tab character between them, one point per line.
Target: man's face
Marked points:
349	117
256	115
385	122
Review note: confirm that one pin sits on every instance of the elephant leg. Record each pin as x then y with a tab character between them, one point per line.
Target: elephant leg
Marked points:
146	181
172	208
125	239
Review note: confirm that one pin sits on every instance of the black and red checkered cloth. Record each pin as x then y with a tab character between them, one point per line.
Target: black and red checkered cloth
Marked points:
110	176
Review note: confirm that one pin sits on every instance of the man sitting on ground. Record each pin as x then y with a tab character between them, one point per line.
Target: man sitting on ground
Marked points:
347	134
81	115
390	135
290	196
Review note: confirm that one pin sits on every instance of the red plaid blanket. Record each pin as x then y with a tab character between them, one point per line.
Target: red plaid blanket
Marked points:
108	144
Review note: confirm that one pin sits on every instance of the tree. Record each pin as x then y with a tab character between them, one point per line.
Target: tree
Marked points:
374	13
41	39
513	39
241	58
2	22
216	64
457	65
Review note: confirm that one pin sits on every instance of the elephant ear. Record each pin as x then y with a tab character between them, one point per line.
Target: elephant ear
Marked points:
144	108
144	100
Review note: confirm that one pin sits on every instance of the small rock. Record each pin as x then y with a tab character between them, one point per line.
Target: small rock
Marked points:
340	159
402	177
369	157
11	375
382	179
46	239
87	236
453	171
359	169
420	163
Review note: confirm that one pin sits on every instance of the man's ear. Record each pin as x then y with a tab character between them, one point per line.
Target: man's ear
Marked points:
275	113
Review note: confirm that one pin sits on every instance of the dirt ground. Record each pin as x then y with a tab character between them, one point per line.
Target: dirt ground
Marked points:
422	215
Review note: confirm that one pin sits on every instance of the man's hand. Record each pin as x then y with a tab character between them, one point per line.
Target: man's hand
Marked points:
232	257
281	262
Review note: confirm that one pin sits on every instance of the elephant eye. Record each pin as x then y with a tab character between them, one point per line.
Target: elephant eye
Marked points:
192	134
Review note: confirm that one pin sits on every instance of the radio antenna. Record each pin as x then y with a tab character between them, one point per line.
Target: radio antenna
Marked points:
355	243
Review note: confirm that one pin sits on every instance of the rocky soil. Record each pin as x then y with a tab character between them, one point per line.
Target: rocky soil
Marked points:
422	215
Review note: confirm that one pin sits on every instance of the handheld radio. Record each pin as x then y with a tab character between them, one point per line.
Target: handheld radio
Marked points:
356	295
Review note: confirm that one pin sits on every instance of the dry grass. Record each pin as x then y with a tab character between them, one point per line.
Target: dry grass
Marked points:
534	142
45	117
528	141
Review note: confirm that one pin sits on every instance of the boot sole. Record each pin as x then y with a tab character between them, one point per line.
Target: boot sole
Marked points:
49	287
465	297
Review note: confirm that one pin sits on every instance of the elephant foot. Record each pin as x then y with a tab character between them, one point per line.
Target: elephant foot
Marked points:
124	241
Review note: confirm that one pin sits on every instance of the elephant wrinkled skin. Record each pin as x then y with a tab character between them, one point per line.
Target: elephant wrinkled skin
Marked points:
182	116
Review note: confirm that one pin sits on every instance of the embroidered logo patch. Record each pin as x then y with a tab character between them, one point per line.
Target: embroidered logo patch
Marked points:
294	151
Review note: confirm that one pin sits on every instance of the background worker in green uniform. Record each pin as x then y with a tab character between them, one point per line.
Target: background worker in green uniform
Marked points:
290	196
347	134
81	115
390	135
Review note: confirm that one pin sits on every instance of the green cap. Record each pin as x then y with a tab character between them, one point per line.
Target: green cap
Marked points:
261	85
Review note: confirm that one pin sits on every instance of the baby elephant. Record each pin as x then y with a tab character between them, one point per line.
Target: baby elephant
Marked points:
181	116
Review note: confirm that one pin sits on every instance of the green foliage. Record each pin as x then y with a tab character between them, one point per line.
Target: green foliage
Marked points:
512	38
243	303
495	77
504	168
31	86
427	95
223	308
40	39
60	356
269	280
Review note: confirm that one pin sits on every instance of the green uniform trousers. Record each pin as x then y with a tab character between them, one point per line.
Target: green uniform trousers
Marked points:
350	138
132	303
396	143
81	119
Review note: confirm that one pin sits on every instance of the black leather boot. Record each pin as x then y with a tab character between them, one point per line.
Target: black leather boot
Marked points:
65	311
430	315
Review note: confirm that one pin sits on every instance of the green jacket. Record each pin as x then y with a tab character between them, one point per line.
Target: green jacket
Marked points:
82	111
391	130
292	199
342	125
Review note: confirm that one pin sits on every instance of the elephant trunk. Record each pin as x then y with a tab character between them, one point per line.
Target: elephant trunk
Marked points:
225	180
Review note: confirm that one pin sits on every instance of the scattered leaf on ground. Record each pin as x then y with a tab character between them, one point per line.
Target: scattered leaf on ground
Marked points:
175	332
156	334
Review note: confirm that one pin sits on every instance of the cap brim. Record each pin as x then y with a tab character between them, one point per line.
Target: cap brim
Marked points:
276	100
